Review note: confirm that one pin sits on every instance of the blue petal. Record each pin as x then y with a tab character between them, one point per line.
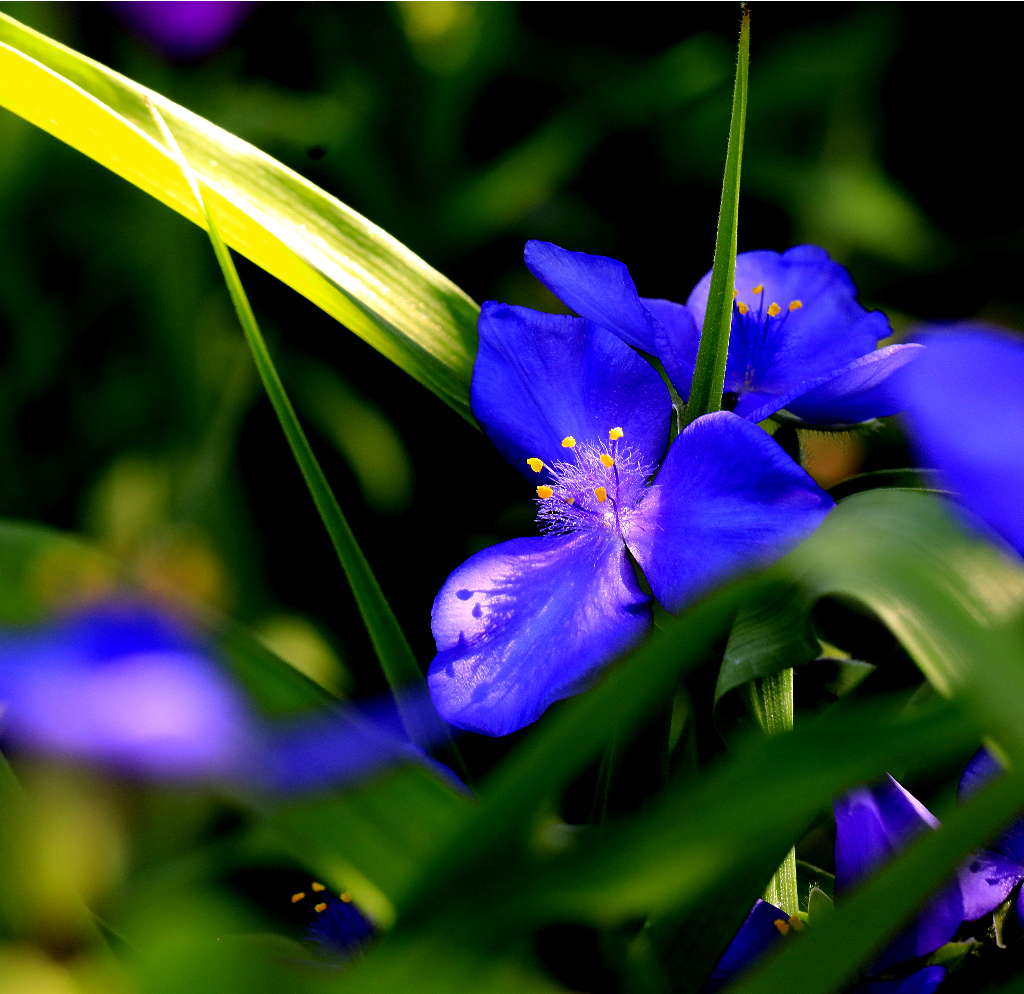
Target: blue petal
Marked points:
525	623
727	499
965	406
986	880
540	377
756	936
341	930
676	341
872	824
982	768
597	288
777	355
867	388
922	982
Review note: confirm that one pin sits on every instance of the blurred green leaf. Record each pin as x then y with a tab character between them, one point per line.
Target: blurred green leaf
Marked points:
342	262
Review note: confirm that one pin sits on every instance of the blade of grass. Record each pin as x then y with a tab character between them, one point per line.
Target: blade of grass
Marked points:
709	372
396	658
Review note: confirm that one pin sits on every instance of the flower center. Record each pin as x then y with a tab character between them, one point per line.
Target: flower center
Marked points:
754	327
597	485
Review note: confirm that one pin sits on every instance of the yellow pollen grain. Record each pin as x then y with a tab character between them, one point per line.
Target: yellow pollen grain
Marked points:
606	460
570	500
782	925
758	289
544	492
535	464
601	494
568	442
774	310
614	434
322	906
318	886
741	307
795	305
298	897
345	896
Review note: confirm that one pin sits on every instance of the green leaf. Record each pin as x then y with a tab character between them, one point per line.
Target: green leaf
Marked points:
709	372
396	658
302	235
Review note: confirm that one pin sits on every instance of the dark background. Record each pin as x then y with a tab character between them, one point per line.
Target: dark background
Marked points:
883	132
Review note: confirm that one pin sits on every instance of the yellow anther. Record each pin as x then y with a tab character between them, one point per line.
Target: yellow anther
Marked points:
568	442
535	464
606	460
544	492
615	434
758	289
782	925
796	924
795	305
774	310
570	500
322	906
298	897
735	293
317	886
601	494
741	307
345	896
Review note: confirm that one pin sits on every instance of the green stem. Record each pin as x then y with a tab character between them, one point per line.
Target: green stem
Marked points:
771	700
709	371
396	658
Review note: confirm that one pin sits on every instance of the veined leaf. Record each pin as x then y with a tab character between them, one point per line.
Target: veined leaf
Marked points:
308	239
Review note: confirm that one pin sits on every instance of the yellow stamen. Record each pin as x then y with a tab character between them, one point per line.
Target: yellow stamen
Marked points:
298	897
318	886
758	289
601	494
795	305
774	310
568	442
535	464
796	924
614	434
741	307
782	925
735	293
606	460
346	896
544	492
570	500
322	906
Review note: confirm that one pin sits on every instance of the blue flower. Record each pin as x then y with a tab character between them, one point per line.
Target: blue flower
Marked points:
339	930
128	686
990	877
872	824
799	341
527	622
184	28
965	409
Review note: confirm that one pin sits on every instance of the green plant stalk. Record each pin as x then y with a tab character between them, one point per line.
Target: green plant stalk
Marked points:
709	372
396	658
771	700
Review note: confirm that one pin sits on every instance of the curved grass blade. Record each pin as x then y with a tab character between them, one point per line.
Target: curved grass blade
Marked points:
709	372
396	658
302	235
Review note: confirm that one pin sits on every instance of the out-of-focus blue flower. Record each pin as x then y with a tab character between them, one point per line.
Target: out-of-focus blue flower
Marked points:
799	341
992	874
965	408
184	29
127	686
527	622
338	928
872	824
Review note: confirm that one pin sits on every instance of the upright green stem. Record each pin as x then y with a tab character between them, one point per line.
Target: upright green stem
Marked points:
709	371
771	700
